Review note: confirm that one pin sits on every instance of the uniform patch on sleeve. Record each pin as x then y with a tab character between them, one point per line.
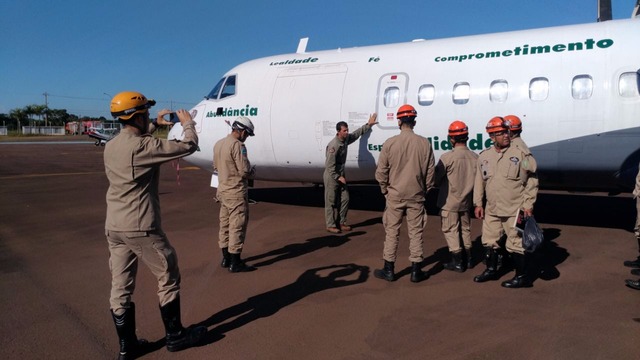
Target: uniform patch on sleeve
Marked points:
514	160
332	150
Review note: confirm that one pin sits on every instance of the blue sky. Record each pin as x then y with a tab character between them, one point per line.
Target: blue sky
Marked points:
83	52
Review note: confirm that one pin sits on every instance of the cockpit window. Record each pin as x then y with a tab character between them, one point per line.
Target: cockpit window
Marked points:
229	87
216	90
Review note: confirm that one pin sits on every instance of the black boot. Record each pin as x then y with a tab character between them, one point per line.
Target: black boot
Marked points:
130	346
634	263
237	265
417	274
491	272
635	271
178	338
521	279
226	258
469	259
456	263
386	273
634	284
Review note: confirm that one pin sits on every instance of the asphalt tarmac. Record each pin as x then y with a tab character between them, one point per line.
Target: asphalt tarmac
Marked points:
313	295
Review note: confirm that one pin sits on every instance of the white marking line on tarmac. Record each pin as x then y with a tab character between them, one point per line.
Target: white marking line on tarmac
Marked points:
25	176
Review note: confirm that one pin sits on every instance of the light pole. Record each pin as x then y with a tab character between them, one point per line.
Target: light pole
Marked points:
46	108
110	121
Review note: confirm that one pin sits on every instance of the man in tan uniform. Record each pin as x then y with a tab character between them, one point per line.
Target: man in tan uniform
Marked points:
515	130
405	172
635	284
455	174
336	194
506	177
231	163
132	162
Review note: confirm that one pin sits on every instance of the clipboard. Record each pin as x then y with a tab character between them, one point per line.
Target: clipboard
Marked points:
214	180
520	221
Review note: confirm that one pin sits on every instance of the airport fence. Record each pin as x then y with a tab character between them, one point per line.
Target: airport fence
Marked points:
43	130
3	130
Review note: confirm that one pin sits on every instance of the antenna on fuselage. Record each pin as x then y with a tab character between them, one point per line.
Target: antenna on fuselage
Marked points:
302	46
604	10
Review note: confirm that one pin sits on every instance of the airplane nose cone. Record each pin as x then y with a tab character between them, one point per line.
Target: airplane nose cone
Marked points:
176	132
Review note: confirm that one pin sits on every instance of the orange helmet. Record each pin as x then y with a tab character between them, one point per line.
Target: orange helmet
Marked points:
127	103
406	111
514	122
496	124
458	128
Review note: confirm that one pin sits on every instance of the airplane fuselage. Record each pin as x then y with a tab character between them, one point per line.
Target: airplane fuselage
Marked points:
574	87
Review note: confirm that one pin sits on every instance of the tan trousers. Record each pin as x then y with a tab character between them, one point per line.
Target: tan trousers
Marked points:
125	248
456	225
234	218
392	220
636	229
336	203
492	228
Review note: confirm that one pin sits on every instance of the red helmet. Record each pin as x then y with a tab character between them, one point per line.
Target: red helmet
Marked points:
458	128
496	124
514	122
406	111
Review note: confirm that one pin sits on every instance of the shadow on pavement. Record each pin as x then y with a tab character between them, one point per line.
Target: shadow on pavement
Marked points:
269	303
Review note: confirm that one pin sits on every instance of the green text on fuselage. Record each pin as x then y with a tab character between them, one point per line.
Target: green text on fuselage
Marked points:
479	142
246	111
523	50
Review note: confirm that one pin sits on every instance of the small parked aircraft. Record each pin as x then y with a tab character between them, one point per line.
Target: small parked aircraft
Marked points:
102	135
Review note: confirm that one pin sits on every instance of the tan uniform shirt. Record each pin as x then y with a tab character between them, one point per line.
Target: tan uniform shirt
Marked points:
636	189
507	179
518	142
455	175
406	167
336	153
231	163
132	164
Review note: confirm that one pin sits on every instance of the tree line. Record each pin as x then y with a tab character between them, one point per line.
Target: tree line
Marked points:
42	115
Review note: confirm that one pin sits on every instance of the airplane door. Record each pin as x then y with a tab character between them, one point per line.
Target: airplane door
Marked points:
392	93
305	107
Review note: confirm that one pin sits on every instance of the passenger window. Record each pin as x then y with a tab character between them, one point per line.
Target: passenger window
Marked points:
426	95
216	90
461	93
499	91
582	87
391	97
539	89
628	84
229	87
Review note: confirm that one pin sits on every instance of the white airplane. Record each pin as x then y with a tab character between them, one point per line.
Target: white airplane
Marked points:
574	87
